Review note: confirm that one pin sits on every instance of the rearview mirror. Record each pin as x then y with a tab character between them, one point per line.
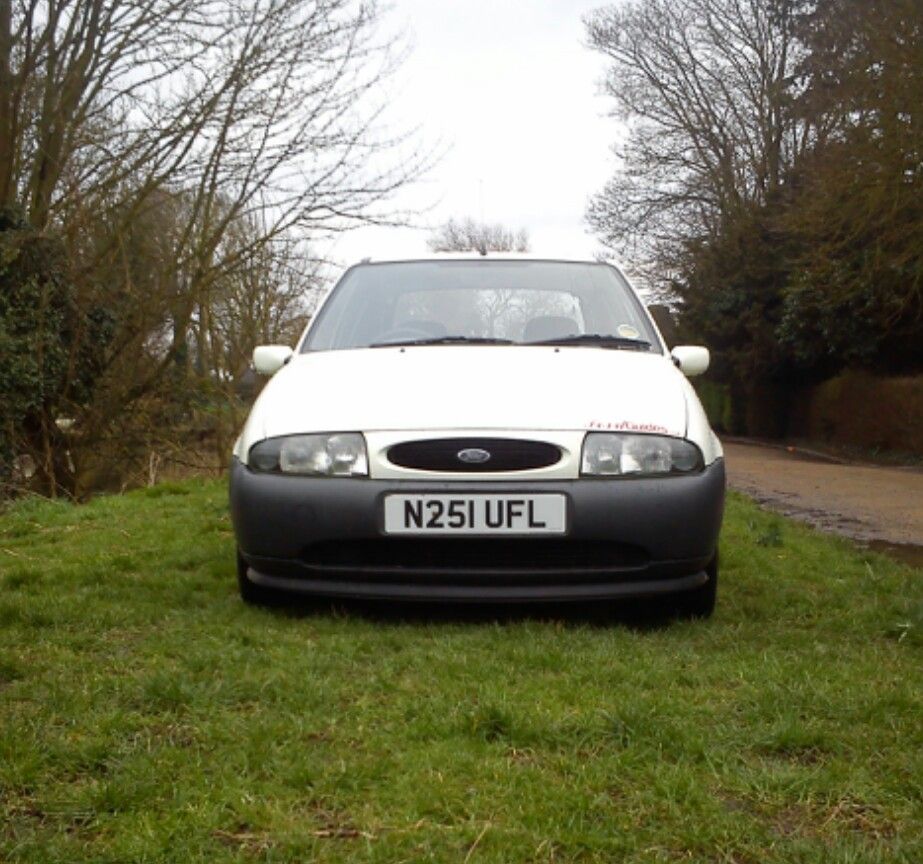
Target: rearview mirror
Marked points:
269	359
692	359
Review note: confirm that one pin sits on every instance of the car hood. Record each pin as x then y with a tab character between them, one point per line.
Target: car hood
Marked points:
472	387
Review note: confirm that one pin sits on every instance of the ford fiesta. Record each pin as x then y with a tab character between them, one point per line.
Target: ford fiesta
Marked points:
476	428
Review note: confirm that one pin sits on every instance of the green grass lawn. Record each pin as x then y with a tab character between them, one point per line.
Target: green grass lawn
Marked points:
147	715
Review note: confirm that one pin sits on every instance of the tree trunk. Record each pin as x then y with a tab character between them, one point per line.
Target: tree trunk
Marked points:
7	146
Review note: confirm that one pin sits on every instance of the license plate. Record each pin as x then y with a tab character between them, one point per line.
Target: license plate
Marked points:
475	514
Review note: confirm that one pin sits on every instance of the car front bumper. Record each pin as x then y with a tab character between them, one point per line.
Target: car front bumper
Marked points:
625	537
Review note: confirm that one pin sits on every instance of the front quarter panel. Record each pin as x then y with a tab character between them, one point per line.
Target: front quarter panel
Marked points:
698	429
267	402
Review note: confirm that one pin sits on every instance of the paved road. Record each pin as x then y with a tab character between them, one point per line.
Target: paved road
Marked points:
866	502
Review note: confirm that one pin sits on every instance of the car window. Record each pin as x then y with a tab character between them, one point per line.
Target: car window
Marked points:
502	313
528	301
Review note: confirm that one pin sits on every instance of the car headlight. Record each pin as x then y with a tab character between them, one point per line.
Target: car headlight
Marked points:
618	455
340	454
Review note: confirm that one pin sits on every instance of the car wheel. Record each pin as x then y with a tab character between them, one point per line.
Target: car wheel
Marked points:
250	592
700	602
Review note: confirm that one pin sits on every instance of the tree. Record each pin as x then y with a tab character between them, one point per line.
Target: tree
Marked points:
264	299
704	88
143	134
467	235
856	296
771	182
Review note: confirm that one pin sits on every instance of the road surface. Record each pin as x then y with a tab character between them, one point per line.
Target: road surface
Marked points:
873	504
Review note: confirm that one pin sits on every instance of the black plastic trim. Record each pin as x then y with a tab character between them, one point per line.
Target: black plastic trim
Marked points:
422	592
673	521
503	454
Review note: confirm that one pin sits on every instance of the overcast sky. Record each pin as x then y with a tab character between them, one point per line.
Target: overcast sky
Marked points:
509	90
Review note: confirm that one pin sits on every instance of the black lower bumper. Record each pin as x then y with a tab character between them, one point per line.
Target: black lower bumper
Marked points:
324	537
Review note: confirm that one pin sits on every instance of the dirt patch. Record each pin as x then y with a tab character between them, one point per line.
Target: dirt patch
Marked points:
879	506
846	815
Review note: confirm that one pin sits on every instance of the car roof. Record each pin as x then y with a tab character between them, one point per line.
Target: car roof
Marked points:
477	256
496	256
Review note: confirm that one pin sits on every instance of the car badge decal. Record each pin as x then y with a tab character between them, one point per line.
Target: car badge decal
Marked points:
473	456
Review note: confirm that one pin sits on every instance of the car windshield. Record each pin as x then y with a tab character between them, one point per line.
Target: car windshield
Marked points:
481	302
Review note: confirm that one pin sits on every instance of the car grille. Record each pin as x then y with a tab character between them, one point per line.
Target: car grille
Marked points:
386	557
445	454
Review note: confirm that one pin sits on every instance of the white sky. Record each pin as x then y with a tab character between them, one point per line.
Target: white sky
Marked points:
510	90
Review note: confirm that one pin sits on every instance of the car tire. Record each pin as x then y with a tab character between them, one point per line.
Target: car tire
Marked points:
700	602
251	593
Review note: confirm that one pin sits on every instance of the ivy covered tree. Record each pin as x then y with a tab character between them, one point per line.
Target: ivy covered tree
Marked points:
37	321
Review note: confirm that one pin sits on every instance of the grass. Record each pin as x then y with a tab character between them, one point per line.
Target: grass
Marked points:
147	715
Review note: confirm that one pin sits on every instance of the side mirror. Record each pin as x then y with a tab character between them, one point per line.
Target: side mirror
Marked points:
692	359
269	359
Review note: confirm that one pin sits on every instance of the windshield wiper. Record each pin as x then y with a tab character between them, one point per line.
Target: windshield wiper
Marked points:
596	339
443	340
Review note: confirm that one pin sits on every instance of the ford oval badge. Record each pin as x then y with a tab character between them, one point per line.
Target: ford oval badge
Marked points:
473	456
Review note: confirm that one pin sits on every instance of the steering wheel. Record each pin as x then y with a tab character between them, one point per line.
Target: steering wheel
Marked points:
408	331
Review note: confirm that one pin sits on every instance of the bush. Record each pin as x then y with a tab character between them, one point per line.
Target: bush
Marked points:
861	410
716	400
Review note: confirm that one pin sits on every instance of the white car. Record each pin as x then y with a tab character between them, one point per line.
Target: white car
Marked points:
479	428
